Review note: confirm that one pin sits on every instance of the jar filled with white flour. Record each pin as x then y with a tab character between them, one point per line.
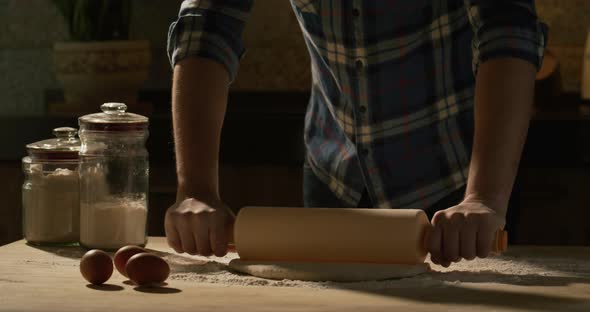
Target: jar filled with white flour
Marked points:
50	193
114	172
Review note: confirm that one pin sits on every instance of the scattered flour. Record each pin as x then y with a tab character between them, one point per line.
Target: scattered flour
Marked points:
511	268
507	269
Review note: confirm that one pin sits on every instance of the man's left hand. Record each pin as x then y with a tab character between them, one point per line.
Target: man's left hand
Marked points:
464	231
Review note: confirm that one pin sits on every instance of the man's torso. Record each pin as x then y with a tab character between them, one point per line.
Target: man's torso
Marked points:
392	98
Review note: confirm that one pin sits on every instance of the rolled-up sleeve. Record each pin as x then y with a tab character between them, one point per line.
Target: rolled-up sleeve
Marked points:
506	28
210	29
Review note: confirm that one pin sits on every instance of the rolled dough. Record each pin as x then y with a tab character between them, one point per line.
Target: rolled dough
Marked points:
323	271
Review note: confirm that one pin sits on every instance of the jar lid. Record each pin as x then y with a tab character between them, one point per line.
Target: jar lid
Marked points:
113	118
64	147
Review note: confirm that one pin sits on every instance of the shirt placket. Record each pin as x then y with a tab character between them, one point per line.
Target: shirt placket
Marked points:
360	106
359	64
360	67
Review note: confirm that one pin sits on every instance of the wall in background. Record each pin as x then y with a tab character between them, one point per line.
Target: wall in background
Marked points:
569	23
30	27
26	40
276	58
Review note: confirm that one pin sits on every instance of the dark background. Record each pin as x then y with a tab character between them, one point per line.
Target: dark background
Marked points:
262	147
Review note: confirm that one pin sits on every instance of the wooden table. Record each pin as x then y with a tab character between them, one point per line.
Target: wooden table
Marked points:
42	279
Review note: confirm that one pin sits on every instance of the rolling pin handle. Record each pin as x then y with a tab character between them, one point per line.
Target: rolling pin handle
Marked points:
500	241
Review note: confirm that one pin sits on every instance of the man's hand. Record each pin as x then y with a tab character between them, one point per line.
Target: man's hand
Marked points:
503	105
463	231
195	227
198	108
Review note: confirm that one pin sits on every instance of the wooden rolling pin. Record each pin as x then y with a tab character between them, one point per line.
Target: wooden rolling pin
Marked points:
335	235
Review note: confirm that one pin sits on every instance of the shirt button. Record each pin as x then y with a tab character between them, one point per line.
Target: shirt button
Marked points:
356	12
359	64
363	109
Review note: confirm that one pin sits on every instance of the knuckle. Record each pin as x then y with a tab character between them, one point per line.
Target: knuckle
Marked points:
457	218
438	218
487	224
184	225
198	219
185	214
472	218
178	217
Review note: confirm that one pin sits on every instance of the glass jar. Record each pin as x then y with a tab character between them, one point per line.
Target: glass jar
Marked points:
114	173
50	193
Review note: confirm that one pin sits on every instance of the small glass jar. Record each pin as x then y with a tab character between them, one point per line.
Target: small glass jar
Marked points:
114	172
50	193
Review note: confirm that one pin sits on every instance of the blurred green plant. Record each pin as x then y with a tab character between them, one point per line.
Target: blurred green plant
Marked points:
96	20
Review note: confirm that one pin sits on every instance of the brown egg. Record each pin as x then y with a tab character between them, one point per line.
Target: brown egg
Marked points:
146	269
123	255
96	266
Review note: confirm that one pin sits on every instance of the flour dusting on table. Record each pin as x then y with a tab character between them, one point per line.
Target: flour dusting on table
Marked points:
511	268
517	270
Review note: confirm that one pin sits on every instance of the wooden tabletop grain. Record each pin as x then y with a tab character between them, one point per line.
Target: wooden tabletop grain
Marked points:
43	279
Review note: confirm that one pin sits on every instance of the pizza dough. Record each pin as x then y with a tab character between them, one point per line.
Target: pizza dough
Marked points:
323	271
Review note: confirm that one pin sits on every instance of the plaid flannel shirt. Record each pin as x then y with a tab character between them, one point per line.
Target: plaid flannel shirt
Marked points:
392	95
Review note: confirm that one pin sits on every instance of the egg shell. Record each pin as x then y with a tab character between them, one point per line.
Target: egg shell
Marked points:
122	256
146	269
96	266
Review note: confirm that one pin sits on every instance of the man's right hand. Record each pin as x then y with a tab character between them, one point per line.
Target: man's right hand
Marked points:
196	227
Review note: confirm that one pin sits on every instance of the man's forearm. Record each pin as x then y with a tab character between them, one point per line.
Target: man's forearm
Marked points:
199	102
503	106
